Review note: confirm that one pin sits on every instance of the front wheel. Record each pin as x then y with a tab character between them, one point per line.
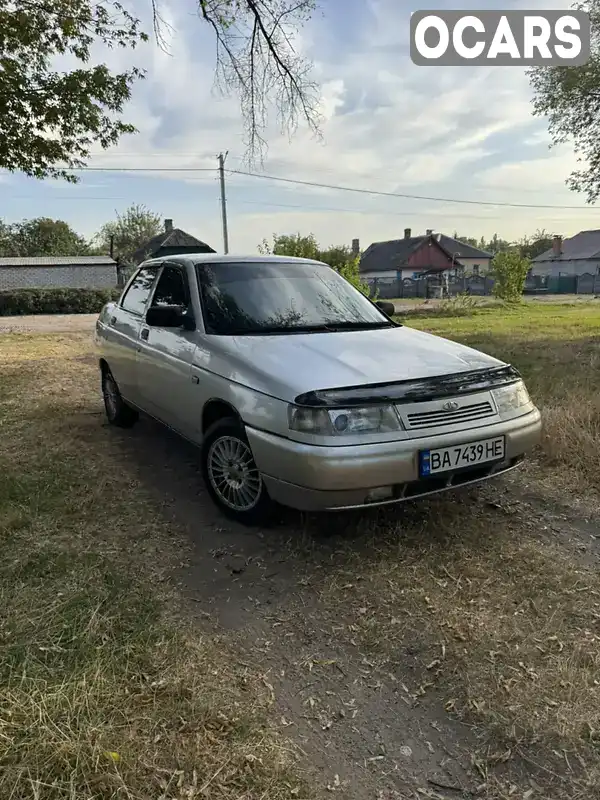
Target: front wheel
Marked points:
231	476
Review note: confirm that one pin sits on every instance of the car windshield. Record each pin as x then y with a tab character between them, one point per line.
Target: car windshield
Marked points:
281	297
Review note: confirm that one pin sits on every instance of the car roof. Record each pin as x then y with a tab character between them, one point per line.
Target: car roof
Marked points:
212	258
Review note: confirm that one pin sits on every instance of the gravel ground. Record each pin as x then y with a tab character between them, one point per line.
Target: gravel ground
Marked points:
51	323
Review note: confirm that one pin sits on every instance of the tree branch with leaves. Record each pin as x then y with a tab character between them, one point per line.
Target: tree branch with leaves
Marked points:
570	98
51	120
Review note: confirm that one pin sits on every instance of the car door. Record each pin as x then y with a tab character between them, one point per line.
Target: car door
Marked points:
123	329
165	356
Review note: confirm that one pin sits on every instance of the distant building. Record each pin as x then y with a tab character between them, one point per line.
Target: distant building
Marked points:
171	242
66	272
579	255
415	256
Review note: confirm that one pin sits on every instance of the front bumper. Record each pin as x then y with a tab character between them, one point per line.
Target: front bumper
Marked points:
312	478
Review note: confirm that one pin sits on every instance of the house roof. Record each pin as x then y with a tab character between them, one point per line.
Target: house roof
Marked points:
57	261
462	250
584	245
383	256
171	238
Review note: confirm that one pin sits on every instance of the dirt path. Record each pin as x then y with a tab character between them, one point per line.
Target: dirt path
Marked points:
48	323
363	729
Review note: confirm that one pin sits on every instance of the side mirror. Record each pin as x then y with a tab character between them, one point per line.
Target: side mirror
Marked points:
387	308
166	317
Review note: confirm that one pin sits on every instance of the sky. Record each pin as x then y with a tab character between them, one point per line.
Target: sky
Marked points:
455	133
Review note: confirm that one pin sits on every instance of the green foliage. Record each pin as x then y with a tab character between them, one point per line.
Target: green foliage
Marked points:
41	237
569	97
533	246
509	271
131	230
293	245
529	246
494	245
55	301
339	257
50	120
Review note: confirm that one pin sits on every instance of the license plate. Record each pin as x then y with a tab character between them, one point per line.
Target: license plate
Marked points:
460	456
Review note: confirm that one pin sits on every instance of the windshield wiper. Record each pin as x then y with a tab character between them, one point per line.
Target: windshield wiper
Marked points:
274	329
332	327
363	326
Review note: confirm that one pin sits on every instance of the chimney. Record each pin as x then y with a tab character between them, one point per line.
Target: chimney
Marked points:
429	231
407	233
557	246
355	247
168	225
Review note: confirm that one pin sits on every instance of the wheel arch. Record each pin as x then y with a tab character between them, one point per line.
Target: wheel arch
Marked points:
215	410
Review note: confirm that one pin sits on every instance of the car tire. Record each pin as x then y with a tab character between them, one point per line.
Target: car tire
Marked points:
231	476
118	413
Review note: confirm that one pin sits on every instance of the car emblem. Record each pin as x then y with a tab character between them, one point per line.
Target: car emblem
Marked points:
451	405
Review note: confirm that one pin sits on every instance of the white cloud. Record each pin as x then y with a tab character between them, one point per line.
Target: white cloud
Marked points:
389	125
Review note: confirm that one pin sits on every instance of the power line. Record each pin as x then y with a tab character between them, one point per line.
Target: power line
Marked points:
334	187
379	212
402	195
141	169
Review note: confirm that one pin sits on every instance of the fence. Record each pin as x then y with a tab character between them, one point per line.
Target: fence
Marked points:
429	286
479	285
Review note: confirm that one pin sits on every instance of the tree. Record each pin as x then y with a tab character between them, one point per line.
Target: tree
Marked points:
570	98
130	231
294	245
41	237
50	119
509	270
537	244
493	245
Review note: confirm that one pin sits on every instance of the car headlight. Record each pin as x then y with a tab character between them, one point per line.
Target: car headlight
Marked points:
510	399
340	421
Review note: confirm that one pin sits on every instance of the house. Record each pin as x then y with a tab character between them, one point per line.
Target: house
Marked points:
415	256
172	241
66	272
474	260
579	255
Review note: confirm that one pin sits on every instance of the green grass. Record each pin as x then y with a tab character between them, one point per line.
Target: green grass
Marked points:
102	693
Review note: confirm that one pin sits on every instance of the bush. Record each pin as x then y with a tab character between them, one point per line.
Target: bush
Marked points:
509	271
460	305
55	301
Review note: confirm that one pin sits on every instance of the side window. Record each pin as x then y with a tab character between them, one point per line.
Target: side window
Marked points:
171	289
475	269
137	295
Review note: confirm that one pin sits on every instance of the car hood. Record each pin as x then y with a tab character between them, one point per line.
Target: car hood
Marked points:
286	366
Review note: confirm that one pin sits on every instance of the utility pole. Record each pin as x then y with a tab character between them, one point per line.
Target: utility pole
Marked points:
223	201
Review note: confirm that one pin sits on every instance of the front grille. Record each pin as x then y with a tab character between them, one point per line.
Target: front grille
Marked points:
441	418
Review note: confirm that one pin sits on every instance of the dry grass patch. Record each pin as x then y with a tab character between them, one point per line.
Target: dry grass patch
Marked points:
102	693
466	606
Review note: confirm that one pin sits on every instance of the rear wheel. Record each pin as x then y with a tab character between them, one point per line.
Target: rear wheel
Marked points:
118	412
231	475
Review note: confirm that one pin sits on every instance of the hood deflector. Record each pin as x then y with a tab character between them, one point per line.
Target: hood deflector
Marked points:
412	391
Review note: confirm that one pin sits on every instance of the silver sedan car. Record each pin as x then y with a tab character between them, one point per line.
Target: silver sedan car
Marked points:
301	391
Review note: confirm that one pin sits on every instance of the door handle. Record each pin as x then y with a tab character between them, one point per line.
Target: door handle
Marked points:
145	333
